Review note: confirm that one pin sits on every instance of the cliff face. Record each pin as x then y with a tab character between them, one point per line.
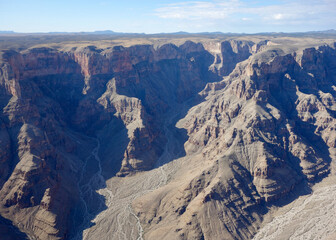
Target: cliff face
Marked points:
49	96
266	127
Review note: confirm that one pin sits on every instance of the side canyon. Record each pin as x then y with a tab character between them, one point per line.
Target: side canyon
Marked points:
194	138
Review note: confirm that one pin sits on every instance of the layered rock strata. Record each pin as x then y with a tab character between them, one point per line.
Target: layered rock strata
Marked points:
265	127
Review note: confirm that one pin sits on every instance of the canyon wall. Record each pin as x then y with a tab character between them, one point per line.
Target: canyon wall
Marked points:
254	135
262	133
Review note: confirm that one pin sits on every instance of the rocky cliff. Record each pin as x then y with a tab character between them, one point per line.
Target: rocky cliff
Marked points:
73	118
260	132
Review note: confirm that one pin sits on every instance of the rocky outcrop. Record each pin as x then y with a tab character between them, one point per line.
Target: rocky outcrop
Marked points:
228	53
46	94
264	126
38	162
255	134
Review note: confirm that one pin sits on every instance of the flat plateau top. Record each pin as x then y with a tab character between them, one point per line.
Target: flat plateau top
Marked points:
67	41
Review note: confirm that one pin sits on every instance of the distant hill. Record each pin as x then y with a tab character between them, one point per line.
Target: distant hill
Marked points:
7	32
110	32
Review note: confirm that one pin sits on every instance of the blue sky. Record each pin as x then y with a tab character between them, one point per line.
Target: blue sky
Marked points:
154	16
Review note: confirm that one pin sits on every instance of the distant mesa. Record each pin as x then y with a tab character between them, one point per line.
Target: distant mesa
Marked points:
110	32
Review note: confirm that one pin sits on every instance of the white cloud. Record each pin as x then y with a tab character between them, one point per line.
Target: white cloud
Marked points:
295	12
198	10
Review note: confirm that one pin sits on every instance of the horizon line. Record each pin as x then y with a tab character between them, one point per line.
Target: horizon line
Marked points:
10	32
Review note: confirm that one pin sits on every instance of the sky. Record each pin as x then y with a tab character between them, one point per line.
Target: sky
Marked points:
156	16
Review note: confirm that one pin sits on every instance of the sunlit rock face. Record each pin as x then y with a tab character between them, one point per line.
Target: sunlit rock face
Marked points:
248	120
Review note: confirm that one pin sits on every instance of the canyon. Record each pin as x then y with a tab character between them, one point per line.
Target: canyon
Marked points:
197	137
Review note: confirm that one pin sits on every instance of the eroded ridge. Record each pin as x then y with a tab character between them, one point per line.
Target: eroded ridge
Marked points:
194	139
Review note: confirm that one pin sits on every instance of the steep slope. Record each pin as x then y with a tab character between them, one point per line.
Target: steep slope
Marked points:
55	102
310	216
264	129
88	135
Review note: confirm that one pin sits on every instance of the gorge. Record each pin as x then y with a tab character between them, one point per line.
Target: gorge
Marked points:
196	137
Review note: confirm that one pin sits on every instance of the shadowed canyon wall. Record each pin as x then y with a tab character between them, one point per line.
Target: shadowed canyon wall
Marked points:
263	122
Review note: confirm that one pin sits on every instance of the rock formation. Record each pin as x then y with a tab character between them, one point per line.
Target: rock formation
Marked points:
260	132
259	117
